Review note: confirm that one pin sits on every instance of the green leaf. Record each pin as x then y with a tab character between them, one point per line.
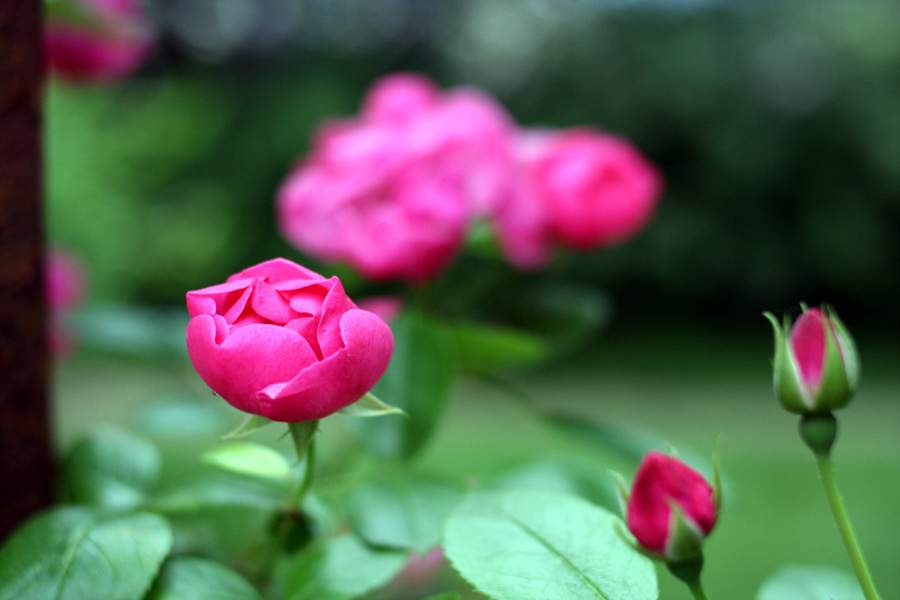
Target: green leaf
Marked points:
447	596
200	579
402	512
205	491
417	381
112	469
248	426
810	583
370	406
80	553
481	347
527	544
249	459
341	568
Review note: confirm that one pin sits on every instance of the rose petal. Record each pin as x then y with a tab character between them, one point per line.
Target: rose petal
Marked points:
338	380
247	360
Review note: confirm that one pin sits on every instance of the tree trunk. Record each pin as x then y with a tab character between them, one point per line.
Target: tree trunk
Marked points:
25	454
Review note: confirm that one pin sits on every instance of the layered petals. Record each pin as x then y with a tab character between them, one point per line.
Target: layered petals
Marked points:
283	342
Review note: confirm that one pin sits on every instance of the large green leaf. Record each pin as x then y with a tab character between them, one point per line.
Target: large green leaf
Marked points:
533	545
208	490
200	579
341	568
111	468
80	553
417	381
403	512
810	583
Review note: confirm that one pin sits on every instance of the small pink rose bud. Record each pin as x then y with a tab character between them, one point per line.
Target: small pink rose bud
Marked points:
816	368
671	508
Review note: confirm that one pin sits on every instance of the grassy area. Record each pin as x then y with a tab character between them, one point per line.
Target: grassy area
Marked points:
688	390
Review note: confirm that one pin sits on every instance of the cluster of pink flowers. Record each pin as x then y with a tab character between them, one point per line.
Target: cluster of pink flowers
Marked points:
394	191
97	41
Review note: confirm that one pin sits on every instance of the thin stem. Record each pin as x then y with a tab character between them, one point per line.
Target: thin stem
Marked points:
309	471
697	590
843	524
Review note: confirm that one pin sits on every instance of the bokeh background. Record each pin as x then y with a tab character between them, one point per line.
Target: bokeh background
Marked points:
776	124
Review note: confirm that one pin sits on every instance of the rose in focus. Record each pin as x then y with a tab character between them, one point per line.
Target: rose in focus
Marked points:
671	508
97	41
281	341
577	188
816	368
393	192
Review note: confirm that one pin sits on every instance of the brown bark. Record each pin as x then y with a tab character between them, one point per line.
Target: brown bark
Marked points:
25	455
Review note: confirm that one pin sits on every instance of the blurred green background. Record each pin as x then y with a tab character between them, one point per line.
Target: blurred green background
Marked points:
776	125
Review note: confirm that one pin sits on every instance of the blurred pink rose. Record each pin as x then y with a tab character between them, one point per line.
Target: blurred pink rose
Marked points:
578	188
393	191
281	341
386	307
97	41
63	291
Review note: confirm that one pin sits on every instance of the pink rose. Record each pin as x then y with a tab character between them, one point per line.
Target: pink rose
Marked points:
97	41
393	191
578	188
281	341
663	483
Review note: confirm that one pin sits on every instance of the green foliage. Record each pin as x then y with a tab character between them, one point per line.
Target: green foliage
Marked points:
111	469
200	579
340	568
81	553
810	583
250	459
417	381
527	544
403	512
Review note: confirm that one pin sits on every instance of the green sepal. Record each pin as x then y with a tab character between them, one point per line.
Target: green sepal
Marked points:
248	426
787	380
621	491
841	369
685	537
370	406
302	433
622	531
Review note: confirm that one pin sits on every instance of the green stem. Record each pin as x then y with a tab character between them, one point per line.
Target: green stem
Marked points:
697	590
843	524
309	471
689	572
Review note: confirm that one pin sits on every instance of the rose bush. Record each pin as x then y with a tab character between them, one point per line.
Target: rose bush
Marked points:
281	341
577	188
393	191
97	41
671	508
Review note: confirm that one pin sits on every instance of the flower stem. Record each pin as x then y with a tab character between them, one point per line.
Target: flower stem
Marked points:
689	572
843	524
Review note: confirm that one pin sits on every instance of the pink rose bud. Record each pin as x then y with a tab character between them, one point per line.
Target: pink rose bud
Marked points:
281	341
97	41
671	508
392	192
579	188
816	368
